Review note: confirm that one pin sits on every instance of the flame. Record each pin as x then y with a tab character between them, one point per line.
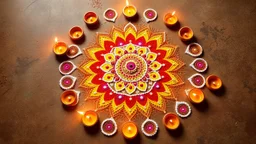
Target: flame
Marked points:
173	13
127	2
56	39
80	112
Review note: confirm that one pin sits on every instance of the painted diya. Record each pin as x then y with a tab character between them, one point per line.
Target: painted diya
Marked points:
67	82
197	80
73	51
109	127
171	121
150	15
195	95
213	82
194	50
110	15
182	109
70	97
149	127
66	67
199	64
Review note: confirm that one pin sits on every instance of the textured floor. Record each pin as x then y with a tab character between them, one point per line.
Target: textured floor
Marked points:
30	108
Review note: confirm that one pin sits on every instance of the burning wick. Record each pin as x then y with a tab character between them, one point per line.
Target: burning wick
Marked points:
69	98
173	13
88	117
171	121
129	128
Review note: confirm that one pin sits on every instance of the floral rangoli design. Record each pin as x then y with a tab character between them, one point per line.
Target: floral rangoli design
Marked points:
131	70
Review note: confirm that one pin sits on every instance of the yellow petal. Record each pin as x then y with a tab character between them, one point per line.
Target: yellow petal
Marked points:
155	65
109	57
130	88
130	48
151	56
118	51
142	86
108	77
142	50
154	76
119	86
106	67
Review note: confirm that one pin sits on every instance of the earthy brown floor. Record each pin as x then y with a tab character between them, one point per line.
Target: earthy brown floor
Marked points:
30	108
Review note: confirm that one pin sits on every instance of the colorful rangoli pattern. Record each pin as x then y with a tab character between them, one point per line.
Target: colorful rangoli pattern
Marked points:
131	70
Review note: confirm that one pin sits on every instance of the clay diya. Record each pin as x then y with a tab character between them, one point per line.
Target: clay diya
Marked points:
150	15
109	127
197	80
129	130
213	82
73	51
76	33
194	50
182	109
129	11
67	67
67	82
70	97
171	121
91	19
110	15
149	127
89	118
185	33
59	47
199	64
195	95
170	19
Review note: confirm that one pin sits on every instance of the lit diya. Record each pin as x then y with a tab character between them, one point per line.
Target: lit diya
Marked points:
129	10
149	127
90	18
67	82
194	49
150	15
213	82
76	33
110	15
109	127
129	130
59	48
197	80
73	51
170	19
90	118
195	95
199	64
171	121
70	97
185	33
182	109
66	67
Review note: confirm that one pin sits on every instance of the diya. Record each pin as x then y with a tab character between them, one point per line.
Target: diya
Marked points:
129	10
185	33
149	127
110	15
66	67
199	64
59	47
89	118
171	121
90	18
195	95
150	15
213	82
109	127
73	51
129	130
197	80
194	50
182	109
170	19
76	33
70	97
67	82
